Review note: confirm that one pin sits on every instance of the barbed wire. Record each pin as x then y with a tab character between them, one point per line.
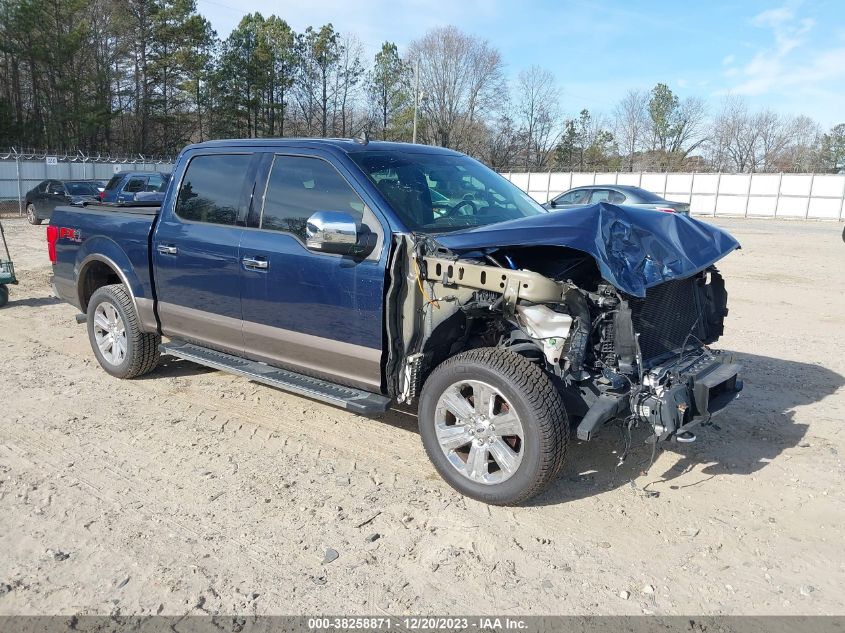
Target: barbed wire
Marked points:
78	156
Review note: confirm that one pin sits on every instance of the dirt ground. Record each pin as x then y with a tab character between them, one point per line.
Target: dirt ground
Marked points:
192	491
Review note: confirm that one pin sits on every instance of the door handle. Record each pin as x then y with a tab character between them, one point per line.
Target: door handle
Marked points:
167	249
252	262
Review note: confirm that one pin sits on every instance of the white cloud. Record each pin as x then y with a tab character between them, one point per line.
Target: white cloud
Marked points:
773	17
727	60
785	64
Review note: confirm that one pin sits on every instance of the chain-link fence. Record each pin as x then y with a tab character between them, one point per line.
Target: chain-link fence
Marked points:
22	170
807	196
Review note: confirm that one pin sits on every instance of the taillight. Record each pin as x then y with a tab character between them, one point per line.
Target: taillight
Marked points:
665	209
52	236
102	195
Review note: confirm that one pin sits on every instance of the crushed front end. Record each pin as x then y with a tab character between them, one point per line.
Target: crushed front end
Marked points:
622	324
650	358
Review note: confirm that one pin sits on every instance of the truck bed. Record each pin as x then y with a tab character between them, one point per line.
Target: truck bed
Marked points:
116	234
135	209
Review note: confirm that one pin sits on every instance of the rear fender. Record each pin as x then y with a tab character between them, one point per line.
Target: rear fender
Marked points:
100	251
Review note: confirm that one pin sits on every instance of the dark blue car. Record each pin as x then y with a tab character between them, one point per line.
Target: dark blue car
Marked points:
136	187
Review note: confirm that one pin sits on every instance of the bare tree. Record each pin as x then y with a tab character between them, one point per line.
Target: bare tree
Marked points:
537	109
774	134
461	78
743	141
503	144
803	154
735	137
347	82
631	123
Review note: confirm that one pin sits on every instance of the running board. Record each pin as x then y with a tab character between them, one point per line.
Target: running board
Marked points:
351	399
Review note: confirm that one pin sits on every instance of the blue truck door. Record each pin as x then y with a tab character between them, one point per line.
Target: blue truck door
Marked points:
314	312
195	251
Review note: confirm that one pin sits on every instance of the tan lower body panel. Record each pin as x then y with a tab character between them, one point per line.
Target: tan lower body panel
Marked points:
340	362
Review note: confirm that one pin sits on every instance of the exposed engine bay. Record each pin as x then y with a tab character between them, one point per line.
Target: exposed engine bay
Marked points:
612	354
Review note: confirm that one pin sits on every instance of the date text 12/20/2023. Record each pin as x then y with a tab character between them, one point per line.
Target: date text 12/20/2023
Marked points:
426	623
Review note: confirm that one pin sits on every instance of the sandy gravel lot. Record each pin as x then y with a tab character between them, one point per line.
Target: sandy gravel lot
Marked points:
191	491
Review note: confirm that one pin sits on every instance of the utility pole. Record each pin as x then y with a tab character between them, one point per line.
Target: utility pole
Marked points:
416	97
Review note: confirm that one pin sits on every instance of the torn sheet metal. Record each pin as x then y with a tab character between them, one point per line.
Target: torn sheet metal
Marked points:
634	248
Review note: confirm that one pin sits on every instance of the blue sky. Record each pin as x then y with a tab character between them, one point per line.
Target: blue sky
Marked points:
786	55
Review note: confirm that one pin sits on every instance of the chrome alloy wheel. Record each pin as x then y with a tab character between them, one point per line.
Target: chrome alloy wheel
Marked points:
479	432
110	333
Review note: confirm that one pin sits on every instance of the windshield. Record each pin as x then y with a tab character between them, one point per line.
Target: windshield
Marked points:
433	193
81	188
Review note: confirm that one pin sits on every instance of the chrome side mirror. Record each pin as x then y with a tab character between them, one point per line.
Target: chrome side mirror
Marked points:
332	232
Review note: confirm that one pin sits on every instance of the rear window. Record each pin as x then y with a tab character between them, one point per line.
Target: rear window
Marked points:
646	196
81	188
111	184
212	188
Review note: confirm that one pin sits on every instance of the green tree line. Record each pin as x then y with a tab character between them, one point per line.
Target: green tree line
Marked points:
149	76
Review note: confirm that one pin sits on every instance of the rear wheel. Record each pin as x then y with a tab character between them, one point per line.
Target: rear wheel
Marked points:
116	338
493	425
31	216
4	295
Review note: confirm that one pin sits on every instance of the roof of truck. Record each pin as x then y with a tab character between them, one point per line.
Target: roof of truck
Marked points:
347	145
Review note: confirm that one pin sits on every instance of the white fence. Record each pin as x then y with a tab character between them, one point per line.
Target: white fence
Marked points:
808	196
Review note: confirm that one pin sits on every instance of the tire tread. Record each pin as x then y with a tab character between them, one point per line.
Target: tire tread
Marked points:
544	399
147	354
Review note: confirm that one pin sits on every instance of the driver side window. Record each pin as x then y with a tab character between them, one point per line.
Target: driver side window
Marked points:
300	186
574	197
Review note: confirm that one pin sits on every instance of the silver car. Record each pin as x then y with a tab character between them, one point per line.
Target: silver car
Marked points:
615	194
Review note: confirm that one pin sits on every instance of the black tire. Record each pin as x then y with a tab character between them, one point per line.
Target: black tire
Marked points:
31	216
535	400
4	295
141	354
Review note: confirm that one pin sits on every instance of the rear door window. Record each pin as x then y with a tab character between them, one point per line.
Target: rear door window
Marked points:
212	188
135	185
156	182
599	195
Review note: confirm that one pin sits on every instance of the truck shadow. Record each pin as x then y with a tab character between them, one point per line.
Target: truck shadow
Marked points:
32	302
750	433
171	367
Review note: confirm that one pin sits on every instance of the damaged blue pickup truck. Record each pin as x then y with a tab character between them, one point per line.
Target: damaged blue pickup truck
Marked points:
366	274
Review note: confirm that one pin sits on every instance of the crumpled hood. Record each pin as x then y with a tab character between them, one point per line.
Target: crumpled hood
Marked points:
634	248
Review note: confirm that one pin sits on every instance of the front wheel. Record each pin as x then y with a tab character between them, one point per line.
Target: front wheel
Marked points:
493	425
116	338
31	216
